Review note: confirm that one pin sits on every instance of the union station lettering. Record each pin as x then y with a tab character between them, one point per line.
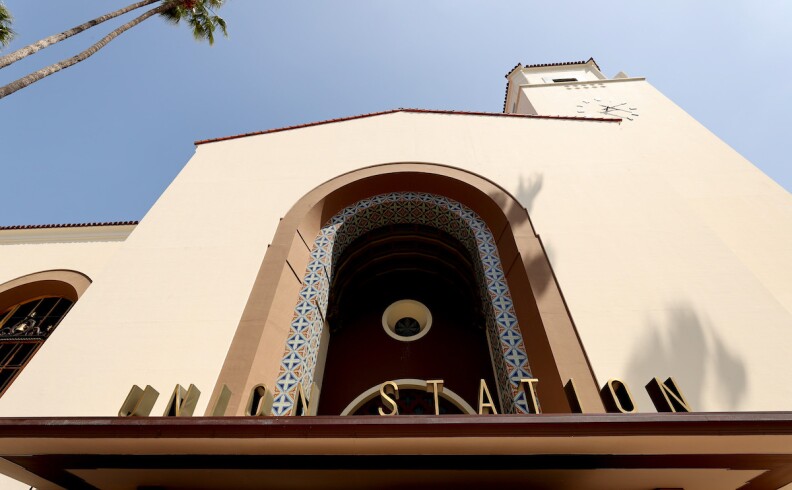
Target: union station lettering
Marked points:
616	397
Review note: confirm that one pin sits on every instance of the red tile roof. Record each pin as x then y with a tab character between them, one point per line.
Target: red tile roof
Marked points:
68	225
415	111
506	95
542	65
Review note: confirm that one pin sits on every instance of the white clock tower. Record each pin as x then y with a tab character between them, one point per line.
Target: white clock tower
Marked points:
572	89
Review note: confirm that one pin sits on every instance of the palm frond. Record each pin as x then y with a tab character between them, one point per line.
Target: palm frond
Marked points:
222	23
199	15
214	4
6	33
174	14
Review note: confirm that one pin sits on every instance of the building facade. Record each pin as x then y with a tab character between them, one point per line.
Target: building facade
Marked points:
540	285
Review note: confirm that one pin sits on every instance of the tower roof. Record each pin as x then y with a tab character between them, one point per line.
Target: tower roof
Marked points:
544	65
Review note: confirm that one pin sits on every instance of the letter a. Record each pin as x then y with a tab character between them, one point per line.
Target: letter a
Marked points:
489	405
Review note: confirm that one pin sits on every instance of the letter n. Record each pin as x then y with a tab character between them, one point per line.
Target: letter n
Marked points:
182	402
666	396
139	402
485	404
304	405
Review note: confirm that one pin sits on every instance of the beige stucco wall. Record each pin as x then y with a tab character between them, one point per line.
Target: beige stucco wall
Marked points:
83	249
670	248
689	275
22	252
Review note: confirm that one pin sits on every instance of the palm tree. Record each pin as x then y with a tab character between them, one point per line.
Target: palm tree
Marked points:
6	33
48	41
199	14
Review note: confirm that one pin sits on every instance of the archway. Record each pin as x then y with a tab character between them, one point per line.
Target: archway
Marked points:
554	347
404	304
303	346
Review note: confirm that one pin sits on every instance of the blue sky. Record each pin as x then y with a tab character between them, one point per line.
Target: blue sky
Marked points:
101	140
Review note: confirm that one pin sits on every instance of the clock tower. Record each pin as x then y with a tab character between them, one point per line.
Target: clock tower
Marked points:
571	89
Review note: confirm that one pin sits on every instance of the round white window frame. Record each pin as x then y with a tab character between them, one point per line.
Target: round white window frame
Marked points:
406	308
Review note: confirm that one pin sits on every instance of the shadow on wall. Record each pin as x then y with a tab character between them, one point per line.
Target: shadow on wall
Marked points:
527	191
691	351
525	194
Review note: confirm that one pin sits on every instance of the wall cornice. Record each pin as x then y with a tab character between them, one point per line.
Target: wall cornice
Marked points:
66	234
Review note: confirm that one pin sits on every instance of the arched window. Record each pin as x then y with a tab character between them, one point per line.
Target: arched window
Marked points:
23	328
31	307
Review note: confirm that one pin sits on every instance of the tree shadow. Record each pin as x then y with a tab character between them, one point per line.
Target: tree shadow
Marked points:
691	351
527	191
525	196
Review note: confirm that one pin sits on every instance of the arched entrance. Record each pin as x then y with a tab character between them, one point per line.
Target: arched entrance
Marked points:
304	344
552	343
404	303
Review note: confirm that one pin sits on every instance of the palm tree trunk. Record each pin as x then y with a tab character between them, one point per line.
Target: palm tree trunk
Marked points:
48	41
63	64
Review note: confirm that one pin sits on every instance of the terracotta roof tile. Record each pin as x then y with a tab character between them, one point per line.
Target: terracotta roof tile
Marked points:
518	65
68	225
506	95
414	111
563	63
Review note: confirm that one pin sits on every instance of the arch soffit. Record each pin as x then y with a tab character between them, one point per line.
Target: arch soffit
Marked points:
65	283
494	204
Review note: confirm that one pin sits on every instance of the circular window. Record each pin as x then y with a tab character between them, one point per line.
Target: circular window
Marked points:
407	320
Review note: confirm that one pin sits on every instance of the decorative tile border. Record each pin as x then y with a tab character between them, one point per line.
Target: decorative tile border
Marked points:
505	341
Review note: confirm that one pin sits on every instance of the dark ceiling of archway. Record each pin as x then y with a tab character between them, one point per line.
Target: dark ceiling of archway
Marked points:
403	249
390	264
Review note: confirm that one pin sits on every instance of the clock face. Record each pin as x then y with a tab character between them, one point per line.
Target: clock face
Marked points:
613	108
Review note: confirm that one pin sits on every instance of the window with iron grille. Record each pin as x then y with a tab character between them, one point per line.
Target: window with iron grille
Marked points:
23	329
